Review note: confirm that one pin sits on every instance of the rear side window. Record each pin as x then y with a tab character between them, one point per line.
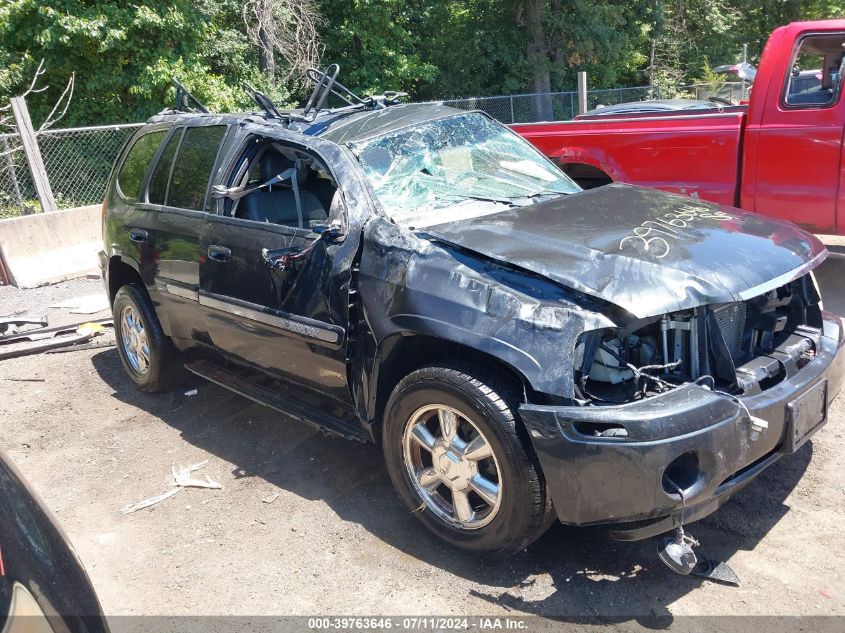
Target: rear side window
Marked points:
161	173
136	163
194	162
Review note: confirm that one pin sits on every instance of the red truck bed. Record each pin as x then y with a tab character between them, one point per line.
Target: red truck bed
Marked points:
690	154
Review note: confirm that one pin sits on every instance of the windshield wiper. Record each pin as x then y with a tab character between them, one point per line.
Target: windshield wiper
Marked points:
469	196
546	192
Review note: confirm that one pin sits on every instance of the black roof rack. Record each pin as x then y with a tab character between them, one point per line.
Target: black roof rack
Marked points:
264	102
185	101
326	84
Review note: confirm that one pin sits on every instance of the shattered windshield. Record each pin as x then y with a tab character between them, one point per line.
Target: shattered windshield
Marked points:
456	168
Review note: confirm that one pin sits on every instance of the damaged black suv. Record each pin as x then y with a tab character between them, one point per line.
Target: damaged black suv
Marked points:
422	278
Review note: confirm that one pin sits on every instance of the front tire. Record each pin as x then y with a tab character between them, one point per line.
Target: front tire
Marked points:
461	462
148	355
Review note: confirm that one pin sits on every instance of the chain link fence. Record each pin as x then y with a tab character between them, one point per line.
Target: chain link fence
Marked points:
17	191
521	108
733	91
77	162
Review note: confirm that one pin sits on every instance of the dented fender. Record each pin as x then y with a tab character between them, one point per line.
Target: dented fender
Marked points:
410	285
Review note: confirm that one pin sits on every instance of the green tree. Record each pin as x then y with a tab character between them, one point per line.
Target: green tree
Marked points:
378	43
124	55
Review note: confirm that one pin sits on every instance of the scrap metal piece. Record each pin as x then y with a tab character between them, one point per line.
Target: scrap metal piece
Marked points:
84	333
146	503
85	304
11	324
83	346
48	345
182	477
50	332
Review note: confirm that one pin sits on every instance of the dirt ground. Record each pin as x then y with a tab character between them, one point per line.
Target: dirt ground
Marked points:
306	524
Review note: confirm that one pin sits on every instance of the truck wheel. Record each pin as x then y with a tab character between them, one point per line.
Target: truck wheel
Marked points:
461	462
148	355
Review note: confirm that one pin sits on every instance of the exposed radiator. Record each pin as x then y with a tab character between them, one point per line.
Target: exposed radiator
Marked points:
731	320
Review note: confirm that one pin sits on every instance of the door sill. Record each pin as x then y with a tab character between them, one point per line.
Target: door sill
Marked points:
327	416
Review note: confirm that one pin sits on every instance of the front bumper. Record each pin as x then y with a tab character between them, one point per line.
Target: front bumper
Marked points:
621	479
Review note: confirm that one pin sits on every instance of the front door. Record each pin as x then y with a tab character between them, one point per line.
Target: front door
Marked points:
800	138
284	319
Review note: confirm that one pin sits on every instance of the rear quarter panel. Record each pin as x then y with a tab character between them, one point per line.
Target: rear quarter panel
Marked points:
687	154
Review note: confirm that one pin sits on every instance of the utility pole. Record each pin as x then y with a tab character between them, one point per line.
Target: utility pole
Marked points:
582	92
33	154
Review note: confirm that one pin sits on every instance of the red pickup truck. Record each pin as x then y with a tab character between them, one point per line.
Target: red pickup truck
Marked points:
780	155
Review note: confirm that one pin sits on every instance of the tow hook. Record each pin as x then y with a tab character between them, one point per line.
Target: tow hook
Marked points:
676	553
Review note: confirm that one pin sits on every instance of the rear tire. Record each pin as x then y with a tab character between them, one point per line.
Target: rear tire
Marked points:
462	463
148	355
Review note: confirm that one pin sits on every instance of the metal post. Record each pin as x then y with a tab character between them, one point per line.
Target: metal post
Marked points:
744	61
513	119
13	174
582	92
33	154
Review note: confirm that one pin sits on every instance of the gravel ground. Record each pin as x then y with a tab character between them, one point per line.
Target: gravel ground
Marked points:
306	524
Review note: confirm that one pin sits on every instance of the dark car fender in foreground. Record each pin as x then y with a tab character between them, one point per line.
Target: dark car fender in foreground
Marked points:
41	579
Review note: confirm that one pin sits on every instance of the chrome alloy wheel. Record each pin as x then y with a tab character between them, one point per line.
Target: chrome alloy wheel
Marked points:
452	466
134	340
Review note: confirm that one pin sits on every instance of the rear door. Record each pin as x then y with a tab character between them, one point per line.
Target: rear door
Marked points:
127	199
176	209
800	137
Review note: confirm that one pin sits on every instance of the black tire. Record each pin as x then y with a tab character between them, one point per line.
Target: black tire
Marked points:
163	368
489	404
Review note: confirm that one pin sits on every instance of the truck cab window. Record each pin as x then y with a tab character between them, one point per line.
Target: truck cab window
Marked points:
815	79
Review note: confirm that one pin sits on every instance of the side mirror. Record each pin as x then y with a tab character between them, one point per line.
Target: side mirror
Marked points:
329	232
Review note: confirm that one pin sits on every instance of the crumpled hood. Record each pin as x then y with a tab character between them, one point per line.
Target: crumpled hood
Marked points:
646	251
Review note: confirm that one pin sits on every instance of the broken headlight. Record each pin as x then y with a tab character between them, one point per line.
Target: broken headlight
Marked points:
609	364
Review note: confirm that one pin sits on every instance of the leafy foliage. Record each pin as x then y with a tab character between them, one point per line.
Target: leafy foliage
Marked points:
125	54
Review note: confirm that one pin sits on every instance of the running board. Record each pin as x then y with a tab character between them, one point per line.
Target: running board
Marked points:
338	422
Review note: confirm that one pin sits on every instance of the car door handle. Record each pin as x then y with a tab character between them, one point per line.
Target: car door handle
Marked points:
219	253
138	235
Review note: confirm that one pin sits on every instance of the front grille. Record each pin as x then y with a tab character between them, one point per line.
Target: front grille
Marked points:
731	320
